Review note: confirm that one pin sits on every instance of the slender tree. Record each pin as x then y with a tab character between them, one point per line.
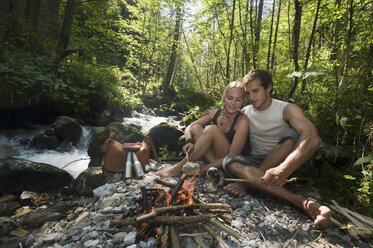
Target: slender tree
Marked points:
4	10
344	71
67	24
270	34
310	43
295	42
275	39
175	44
51	19
231	27
257	33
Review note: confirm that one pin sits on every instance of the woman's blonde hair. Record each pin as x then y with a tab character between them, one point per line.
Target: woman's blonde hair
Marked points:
231	85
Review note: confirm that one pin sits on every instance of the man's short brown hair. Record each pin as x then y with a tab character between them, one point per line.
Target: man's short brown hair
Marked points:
264	77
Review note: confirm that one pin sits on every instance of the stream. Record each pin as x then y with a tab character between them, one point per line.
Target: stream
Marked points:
77	159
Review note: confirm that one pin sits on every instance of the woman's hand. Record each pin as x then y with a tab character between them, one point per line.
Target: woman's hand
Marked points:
188	147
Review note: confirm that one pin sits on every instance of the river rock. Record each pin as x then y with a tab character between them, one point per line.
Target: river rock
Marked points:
88	180
45	142
166	134
67	128
6	225
123	133
39	218
18	175
8	150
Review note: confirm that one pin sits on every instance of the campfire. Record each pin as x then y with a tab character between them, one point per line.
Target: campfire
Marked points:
172	211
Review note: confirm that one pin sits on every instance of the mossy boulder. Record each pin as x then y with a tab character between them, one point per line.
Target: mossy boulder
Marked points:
166	134
123	133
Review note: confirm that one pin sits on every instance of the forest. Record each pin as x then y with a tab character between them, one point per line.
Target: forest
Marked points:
82	58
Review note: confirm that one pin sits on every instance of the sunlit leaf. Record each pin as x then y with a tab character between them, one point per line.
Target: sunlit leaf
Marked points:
363	160
349	177
343	122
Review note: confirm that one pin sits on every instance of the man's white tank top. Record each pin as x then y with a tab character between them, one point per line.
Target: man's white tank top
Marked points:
266	127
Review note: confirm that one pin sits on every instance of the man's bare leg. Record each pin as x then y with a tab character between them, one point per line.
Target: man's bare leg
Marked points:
273	159
319	213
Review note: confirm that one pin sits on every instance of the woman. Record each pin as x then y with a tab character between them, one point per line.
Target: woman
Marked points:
214	142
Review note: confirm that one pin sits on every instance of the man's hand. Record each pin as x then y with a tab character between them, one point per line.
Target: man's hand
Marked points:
274	177
188	148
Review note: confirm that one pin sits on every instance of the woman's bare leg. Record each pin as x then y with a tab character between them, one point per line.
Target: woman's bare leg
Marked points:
197	131
212	139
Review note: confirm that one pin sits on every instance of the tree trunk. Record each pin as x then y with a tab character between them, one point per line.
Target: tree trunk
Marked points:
344	71
67	24
257	33
252	29
33	12
310	43
231	26
289	32
195	69
270	35
51	19
4	10
175	44
275	41
295	41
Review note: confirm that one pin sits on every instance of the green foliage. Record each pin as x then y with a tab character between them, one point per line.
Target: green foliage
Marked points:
165	153
347	190
72	88
193	114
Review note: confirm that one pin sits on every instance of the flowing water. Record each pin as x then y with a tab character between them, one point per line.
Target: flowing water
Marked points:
77	159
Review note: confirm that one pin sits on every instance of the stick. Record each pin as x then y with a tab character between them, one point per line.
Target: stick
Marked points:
166	220
362	218
178	186
165	237
187	206
175	237
164	182
225	228
216	236
144	198
349	217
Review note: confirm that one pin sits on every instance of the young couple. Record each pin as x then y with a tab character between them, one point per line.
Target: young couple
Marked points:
281	140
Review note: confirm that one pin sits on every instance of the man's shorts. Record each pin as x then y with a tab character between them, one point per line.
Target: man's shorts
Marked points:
256	160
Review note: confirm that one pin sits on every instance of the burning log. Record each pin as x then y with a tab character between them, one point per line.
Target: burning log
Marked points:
166	220
165	237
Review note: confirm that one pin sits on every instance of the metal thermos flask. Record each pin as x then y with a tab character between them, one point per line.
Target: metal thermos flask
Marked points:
138	167
128	171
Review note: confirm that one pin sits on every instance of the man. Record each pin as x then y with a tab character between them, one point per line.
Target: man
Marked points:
281	140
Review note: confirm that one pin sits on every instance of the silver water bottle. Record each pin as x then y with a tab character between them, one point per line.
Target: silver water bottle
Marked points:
128	172
138	167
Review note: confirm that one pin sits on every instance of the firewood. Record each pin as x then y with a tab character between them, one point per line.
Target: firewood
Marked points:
165	237
362	230
216	236
175	236
226	218
187	206
225	228
166	220
365	219
165	183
